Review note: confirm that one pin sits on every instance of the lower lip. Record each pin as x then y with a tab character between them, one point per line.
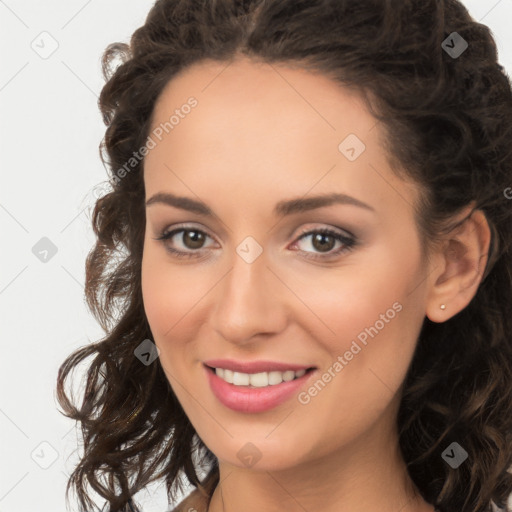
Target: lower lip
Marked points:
252	400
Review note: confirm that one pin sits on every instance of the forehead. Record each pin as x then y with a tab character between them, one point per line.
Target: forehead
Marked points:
243	87
269	126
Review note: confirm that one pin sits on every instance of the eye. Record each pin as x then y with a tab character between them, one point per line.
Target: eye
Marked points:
323	240
191	238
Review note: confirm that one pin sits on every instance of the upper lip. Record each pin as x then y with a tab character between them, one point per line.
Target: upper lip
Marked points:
254	366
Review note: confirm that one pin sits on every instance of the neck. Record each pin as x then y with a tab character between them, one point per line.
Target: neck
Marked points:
370	474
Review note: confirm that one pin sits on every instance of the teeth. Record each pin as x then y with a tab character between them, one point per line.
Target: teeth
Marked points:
240	379
257	380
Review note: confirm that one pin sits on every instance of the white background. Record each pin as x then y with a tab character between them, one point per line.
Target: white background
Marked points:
50	131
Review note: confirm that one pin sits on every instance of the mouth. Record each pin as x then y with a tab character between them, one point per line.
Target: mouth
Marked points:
261	379
256	392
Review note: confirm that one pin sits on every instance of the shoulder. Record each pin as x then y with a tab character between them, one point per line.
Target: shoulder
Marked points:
194	502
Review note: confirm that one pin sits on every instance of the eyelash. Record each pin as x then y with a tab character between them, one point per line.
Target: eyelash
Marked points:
349	242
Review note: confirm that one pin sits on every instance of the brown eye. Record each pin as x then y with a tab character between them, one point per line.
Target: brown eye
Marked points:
322	243
188	245
193	239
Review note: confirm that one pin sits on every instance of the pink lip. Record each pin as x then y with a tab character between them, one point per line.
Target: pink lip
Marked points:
254	366
253	400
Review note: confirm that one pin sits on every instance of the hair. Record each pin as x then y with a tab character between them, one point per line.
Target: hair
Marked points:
446	125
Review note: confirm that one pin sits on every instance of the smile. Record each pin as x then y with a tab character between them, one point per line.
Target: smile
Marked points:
257	380
256	392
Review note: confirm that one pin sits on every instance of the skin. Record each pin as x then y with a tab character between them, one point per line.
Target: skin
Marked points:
261	134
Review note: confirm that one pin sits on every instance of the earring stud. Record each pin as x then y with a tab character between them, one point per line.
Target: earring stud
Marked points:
442	306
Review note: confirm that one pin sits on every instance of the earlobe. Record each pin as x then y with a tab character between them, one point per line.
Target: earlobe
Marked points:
463	260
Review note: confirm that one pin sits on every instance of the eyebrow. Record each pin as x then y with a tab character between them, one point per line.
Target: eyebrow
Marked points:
282	208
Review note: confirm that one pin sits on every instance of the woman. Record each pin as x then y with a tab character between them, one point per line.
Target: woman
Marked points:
311	216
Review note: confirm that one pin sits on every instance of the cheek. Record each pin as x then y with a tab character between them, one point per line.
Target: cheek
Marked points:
163	296
172	296
159	301
358	297
366	360
368	317
164	291
367	330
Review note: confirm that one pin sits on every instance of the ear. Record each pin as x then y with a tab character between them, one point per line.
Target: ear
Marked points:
459	267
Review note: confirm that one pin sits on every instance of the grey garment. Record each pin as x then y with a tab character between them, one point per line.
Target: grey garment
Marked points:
495	508
131	507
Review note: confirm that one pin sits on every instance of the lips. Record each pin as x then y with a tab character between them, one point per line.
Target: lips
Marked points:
245	399
255	366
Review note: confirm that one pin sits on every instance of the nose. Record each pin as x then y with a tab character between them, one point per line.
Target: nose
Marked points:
250	301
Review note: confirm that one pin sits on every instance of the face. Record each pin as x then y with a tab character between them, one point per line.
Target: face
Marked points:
338	287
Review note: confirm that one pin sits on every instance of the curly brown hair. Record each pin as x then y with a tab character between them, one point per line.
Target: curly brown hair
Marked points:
448	126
